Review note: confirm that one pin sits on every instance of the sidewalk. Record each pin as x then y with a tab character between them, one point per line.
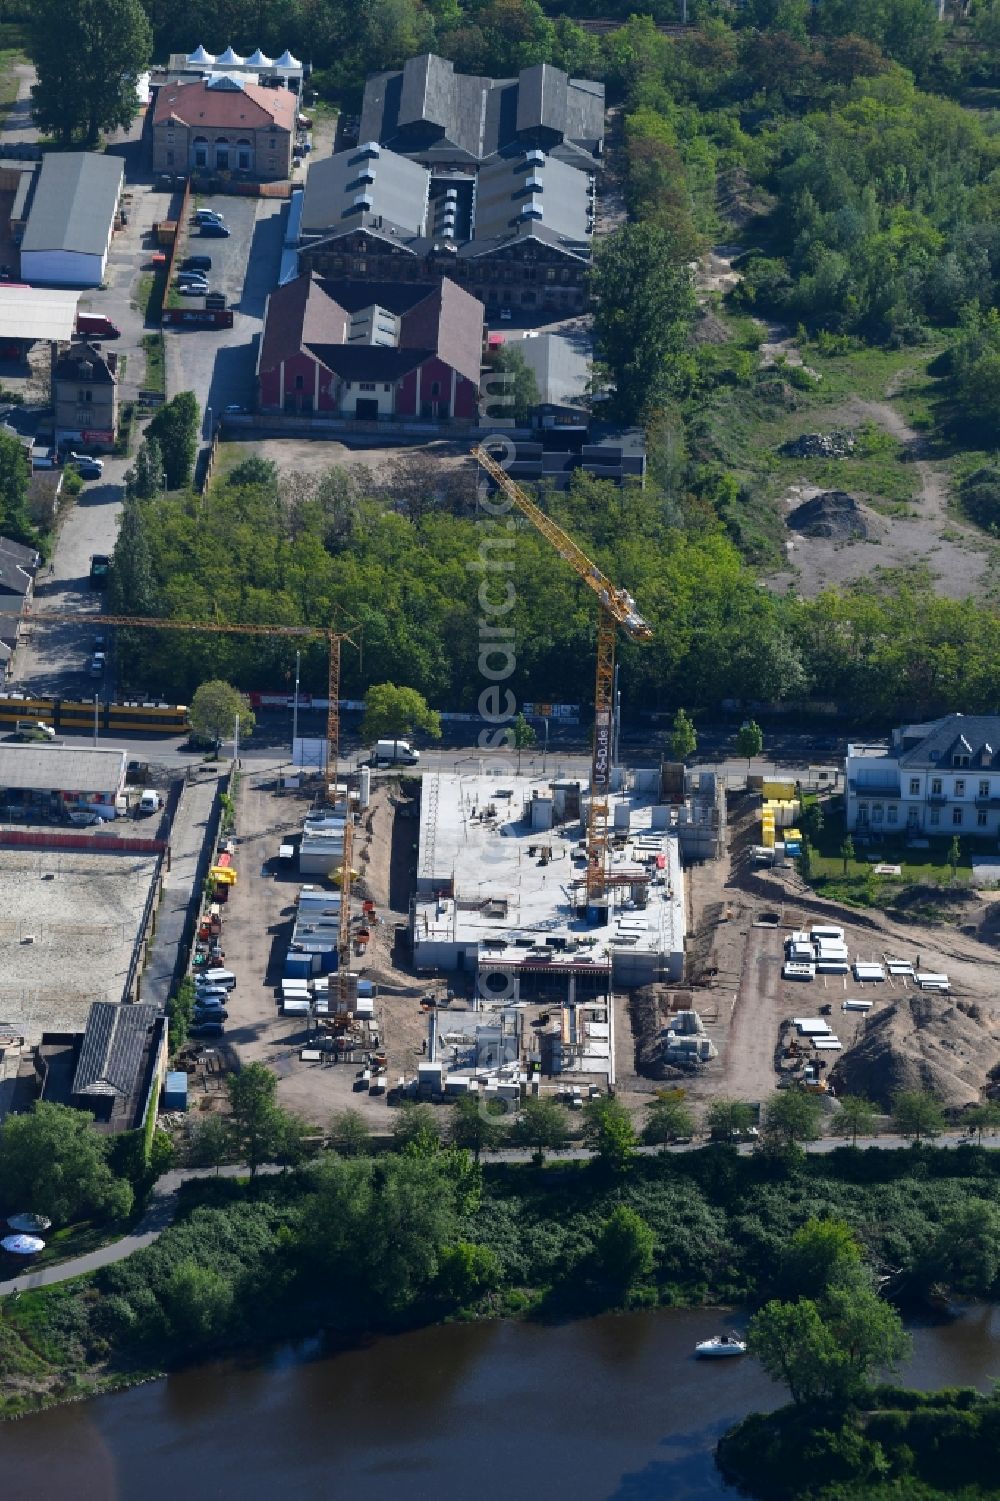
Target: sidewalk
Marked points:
190	850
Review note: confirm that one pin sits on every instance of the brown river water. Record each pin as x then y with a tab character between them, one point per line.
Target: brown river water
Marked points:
606	1409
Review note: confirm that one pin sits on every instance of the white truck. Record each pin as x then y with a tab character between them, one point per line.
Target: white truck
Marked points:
394	753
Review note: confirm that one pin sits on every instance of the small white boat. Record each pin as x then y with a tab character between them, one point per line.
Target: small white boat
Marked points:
720	1346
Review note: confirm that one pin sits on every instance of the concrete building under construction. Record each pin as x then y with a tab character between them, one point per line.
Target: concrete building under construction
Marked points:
501	890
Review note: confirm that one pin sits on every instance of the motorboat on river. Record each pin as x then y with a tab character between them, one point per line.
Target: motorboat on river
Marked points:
720	1346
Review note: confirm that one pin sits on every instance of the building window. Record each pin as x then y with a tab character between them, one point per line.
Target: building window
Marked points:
959	786
877	812
387	388
891	813
299	383
984	789
85	396
935	786
960	761
170	158
435	388
273	143
366	385
982	819
361	267
935	815
956	815
914	786
244	160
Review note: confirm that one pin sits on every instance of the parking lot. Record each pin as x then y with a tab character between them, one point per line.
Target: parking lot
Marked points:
218	364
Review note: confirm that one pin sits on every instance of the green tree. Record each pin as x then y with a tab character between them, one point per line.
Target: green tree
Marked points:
130	584
211	1142
198	1302
522	737
750	741
417	1129
144	481
88	55
214	708
476	1126
791	1116
521	393
916	1113
256	1117
15	470
847	851
643	307
821	1254
855	1117
254	471
828	1350
393	713
349	1134
541	1125
667	1118
466	1272
625	1247
608	1132
964	1254
954	857
983	1117
55	1164
175	428
683	739
728	1120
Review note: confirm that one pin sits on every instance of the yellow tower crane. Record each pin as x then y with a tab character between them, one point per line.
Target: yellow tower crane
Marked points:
333	638
617	609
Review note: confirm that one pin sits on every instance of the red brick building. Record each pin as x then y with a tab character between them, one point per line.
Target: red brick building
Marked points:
364	350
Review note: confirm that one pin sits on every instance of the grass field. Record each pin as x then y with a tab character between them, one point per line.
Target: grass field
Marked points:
858	884
156	372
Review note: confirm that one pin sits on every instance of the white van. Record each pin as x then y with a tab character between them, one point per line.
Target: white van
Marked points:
223	977
394	753
149	802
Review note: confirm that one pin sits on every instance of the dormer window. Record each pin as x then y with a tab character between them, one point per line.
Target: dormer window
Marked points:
960	760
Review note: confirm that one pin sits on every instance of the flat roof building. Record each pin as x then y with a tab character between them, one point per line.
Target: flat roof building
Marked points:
501	888
72	219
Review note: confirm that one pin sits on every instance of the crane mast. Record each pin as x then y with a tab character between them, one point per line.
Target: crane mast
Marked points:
616	609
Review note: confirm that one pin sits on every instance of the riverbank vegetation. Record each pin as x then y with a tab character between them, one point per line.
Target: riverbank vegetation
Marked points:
354	1243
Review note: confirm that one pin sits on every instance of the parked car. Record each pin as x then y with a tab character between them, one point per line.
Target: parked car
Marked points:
198	263
209	1012
234	410
191	278
34	729
210	993
212	230
82	817
137	772
85	458
193	289
87	468
149	802
208	216
215	976
98	662
207	1029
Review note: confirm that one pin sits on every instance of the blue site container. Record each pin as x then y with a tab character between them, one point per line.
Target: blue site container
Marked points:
299	966
175	1092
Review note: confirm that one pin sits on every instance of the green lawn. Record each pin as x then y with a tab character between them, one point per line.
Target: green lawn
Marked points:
156	373
148	295
859	885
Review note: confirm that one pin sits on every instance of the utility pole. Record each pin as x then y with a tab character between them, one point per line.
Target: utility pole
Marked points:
545	752
295	707
236	742
97	701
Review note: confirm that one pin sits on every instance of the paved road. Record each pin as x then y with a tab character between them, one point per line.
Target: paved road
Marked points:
163	1203
159	1214
181	887
19	128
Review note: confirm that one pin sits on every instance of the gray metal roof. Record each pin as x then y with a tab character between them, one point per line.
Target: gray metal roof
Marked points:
61	768
395	188
561	366
429	111
113	1049
503	196
74	203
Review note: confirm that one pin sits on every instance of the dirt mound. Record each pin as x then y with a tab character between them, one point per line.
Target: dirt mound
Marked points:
921	1042
834	514
835	445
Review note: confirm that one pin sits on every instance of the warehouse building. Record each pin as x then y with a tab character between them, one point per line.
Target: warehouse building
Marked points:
72	219
113	1068
501	891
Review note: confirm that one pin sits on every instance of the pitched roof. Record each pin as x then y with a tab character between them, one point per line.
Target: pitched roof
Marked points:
25	557
72	366
13	578
937	743
430	111
224	104
371	340
74	204
513	188
561	365
354	187
113	1049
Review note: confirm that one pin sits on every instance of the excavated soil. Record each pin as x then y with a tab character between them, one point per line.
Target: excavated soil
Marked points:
921	1042
833	514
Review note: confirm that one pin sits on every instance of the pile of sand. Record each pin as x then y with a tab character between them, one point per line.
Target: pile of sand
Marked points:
921	1042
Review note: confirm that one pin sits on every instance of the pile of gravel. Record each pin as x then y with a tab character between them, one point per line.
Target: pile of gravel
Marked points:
833	514
921	1041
